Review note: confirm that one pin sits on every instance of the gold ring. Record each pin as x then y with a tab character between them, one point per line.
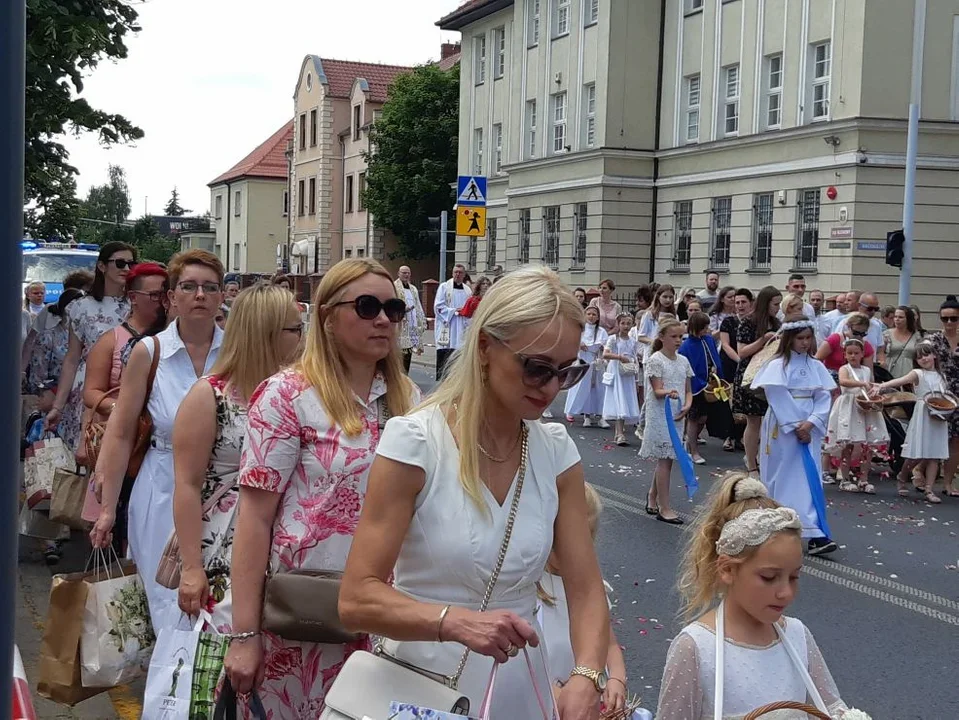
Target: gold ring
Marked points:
512	650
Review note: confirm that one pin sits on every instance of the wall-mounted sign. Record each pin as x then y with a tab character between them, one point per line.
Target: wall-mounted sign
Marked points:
841	233
871	245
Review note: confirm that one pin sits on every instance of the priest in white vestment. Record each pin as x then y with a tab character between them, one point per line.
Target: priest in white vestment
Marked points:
450	329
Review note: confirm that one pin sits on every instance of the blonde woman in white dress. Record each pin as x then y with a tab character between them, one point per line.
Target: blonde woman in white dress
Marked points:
441	490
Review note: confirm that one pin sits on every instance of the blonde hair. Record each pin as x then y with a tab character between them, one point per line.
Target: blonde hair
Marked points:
665	324
249	353
525	297
857	319
26	292
325	369
792	299
698	571
594	509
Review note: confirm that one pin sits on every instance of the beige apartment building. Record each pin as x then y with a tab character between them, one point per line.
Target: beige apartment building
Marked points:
750	137
249	205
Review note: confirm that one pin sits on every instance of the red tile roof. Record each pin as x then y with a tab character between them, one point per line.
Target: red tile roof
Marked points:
449	61
266	161
464	14
340	75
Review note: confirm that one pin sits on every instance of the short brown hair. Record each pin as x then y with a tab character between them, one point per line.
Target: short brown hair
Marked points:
610	283
193	257
697	322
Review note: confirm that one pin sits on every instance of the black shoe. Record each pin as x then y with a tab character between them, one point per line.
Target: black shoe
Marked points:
672	521
52	555
821	546
649	509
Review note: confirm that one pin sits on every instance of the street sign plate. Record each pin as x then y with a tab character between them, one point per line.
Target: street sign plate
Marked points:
471	191
471	221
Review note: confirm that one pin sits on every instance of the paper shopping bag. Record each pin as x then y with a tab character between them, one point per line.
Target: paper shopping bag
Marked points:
40	463
117	636
184	674
36	524
66	501
59	663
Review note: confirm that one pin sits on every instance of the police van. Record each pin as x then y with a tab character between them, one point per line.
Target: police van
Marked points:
51	262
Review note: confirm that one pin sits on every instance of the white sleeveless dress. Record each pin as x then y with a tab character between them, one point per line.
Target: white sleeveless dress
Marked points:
451	548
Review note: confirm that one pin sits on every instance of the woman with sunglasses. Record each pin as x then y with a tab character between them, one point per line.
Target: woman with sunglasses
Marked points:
208	437
88	318
831	353
946	343
458	474
310	441
184	352
147	286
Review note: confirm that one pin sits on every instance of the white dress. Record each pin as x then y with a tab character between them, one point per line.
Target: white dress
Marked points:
674	375
451	547
754	676
621	401
586	397
151	502
848	423
927	438
797	391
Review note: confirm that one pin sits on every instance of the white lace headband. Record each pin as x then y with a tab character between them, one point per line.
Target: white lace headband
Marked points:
798	325
754	527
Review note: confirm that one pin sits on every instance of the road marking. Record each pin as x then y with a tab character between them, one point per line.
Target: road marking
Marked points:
622	501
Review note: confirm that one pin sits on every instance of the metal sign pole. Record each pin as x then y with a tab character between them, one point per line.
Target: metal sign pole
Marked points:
912	150
13	23
444	224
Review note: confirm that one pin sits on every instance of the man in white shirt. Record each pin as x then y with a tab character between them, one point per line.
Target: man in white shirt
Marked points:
832	318
707	297
817	299
868	305
450	329
411	331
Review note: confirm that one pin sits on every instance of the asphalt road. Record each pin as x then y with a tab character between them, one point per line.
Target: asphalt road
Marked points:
884	609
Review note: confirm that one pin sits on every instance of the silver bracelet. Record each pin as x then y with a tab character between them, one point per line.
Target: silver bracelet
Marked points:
240	637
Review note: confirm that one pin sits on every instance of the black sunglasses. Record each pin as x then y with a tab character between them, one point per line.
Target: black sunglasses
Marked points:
538	373
949	318
122	263
369	307
859	333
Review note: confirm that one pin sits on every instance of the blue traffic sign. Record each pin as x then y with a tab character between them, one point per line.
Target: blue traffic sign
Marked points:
471	191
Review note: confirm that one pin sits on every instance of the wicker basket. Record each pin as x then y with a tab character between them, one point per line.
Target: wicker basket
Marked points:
941	406
869	405
810	710
718	390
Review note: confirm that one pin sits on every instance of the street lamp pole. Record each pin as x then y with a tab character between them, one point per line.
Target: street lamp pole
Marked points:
912	149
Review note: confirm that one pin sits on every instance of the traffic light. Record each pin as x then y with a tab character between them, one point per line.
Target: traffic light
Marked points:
895	248
433	228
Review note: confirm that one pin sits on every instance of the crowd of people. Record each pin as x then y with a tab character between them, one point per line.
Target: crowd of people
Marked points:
463	527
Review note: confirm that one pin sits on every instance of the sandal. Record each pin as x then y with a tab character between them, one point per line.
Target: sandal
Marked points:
867	487
931	497
729	446
848	486
901	489
621	440
949	492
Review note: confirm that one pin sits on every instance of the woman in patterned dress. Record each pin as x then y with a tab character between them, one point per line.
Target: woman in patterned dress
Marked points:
89	317
311	436
208	437
946	343
753	333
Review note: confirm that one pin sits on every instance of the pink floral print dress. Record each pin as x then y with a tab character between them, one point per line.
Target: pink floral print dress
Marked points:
292	449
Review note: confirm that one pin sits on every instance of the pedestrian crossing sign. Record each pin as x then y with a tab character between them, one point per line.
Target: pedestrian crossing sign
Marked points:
471	221
471	191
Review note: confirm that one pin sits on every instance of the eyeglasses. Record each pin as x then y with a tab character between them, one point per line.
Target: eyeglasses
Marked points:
154	295
298	329
369	307
539	373
122	263
191	287
859	333
869	308
949	318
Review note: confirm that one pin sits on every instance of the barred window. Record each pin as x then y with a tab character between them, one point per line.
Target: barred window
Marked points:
807	231
579	249
682	234
762	250
471	253
491	244
551	236
524	221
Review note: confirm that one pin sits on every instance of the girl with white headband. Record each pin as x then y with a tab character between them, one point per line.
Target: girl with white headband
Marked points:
797	388
739	572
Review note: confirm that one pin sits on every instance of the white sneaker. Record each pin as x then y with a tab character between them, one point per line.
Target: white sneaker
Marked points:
548	414
603	424
587	421
638	432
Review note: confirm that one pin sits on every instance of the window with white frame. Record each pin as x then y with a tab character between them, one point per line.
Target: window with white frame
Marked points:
560	18
589	111
478	151
591	11
497	148
532	25
682	234
807	229
499	47
286	203
693	96
720	242
524	223
692	5
218	207
579	247
559	122
479	59
774	91
821	61
530	128
491	244
761	257
551	236
729	116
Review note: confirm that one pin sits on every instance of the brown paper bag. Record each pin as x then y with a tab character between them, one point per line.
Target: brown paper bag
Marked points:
59	664
66	503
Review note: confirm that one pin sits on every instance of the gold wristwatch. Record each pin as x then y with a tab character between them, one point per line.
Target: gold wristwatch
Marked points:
599	677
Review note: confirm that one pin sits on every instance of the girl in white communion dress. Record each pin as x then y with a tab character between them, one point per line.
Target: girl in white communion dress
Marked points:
746	552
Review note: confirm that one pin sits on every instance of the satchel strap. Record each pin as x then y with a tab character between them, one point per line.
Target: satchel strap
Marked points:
221	489
153	368
104	396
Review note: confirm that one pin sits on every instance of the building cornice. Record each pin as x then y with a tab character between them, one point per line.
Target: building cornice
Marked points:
471	12
576	157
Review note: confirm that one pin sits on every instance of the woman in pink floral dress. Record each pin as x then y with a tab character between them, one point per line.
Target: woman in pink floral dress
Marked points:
311	438
208	438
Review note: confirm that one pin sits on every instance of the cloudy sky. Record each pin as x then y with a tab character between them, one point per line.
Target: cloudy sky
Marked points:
209	80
